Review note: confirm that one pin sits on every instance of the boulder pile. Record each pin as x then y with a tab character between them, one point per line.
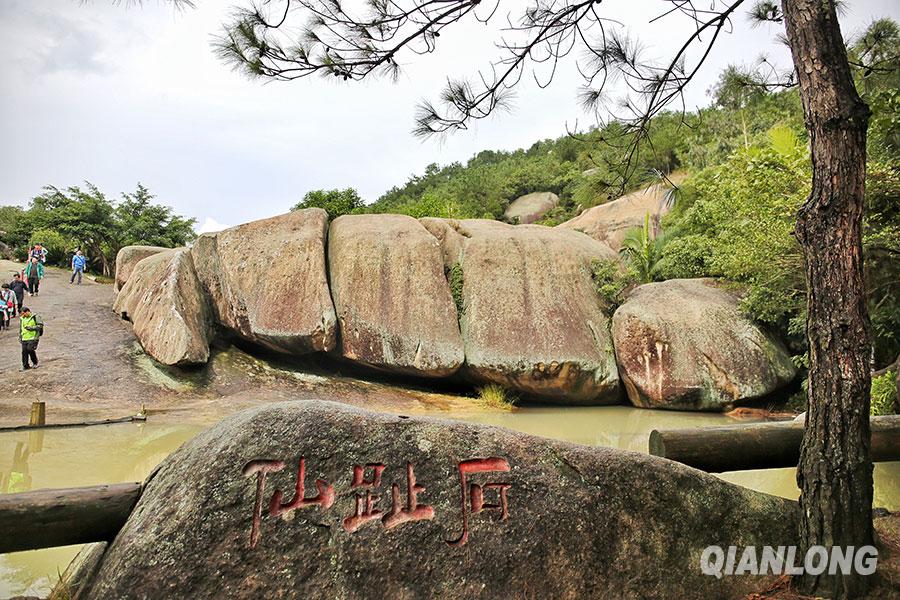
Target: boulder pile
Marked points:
478	300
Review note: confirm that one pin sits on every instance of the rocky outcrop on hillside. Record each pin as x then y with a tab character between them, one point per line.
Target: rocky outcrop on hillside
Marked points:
163	300
316	499
392	299
609	222
685	344
267	281
529	208
128	257
531	320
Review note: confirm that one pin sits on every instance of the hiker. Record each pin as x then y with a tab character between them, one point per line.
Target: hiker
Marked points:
34	272
38	252
7	306
18	287
78	263
30	330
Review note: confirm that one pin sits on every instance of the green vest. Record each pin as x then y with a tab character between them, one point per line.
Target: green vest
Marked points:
27	335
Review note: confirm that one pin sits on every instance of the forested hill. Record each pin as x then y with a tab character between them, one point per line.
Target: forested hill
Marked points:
586	169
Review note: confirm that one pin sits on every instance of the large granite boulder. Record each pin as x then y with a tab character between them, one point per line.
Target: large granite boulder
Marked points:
609	222
684	344
531	318
530	207
128	257
393	302
267	281
320	500
163	300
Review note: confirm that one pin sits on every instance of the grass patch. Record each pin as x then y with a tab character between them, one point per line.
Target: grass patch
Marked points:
884	394
103	279
497	397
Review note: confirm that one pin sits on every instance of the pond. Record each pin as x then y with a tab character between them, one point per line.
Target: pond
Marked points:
56	458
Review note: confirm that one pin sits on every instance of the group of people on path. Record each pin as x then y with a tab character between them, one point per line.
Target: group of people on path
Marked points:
12	298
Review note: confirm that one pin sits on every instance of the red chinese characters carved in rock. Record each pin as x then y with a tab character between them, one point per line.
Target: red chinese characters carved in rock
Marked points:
401	512
324	499
365	510
412	510
476	492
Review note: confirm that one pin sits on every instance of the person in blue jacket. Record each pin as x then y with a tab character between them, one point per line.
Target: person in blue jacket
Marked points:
78	263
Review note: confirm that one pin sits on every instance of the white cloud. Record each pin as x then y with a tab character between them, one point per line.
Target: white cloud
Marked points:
210	225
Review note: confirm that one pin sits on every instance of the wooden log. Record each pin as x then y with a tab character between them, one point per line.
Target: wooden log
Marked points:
757	445
38	414
48	518
134	418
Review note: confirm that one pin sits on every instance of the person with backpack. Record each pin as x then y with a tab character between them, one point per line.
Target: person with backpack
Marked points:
34	272
78	263
7	306
38	252
30	330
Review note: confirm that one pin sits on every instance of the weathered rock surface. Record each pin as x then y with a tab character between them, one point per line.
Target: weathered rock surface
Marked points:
532	321
579	523
163	300
684	344
609	222
531	207
267	281
393	302
128	257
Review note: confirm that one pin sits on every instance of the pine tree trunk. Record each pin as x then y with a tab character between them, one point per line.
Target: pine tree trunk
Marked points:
835	470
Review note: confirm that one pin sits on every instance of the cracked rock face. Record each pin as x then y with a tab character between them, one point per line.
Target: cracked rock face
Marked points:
392	298
684	344
267	281
531	318
553	520
163	300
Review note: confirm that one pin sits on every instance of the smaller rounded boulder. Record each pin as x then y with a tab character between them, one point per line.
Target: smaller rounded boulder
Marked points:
684	344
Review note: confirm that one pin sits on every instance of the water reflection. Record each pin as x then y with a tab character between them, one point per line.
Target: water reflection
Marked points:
57	458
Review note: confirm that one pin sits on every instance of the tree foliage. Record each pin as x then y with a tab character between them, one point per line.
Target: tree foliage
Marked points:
77	217
334	202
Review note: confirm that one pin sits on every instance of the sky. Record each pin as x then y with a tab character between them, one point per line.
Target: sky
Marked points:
116	94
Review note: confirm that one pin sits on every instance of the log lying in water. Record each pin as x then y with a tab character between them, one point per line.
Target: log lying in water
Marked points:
758	445
131	419
48	518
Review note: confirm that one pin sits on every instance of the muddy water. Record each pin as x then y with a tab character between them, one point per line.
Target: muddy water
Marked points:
127	452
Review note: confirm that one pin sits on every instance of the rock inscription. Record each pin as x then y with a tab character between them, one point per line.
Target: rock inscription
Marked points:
366	481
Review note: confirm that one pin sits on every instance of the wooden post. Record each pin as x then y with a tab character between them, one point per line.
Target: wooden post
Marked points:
758	445
38	414
49	518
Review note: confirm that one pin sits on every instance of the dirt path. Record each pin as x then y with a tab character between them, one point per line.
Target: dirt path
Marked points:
91	367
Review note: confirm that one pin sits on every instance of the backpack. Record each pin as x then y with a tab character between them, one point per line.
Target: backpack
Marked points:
40	325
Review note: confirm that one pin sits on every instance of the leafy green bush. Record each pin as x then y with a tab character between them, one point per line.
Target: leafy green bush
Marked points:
884	394
610	281
737	223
